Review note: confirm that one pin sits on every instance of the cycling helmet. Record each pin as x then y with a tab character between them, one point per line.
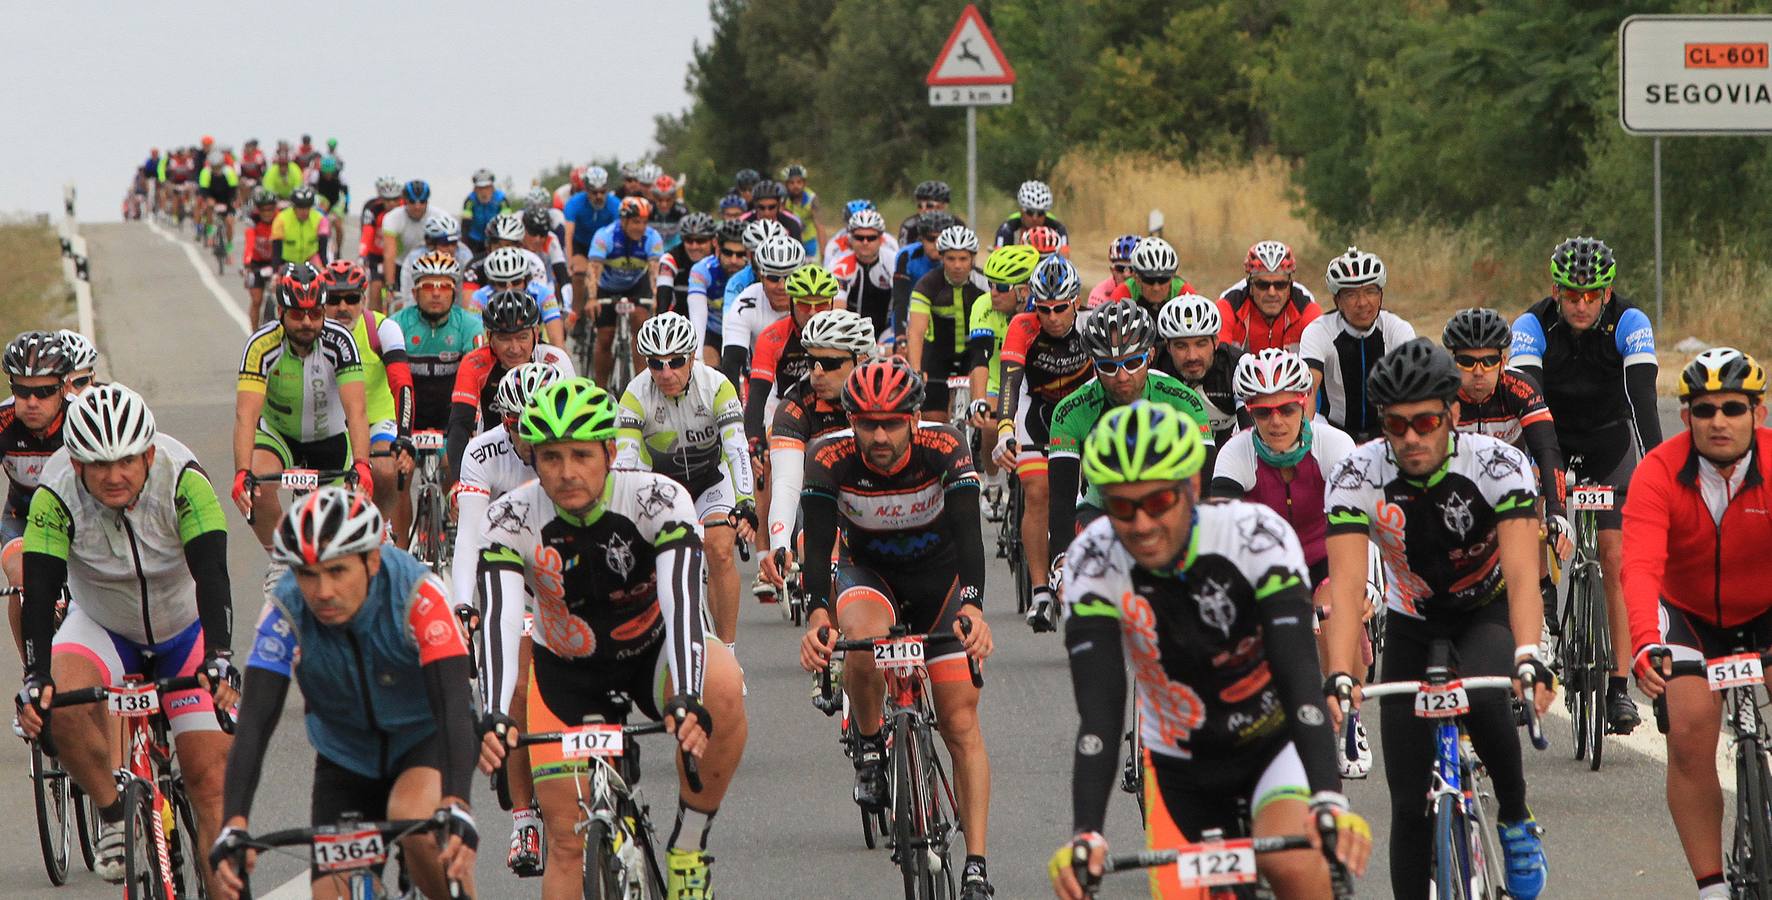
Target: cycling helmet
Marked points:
596	178
732	201
37	353
1721	369
1583	264
434	263
780	255
416	191
216	158
506	264
863	219
734	232
387	187
1153	258
344	276
80	352
757	231
1270	256
956	237
1120	328
510	312
648	173
302	196
1055	279
328	166
934	222
838	329
325	525
521	383
1187	316
1121	249
577	178
812	280
538	220
1416	370
441	226
1142	441
746	179
934	190
883	387
538	198
1042	238
1012	264
664	185
630	171
106	424
636	208
855	206
1355	268
483	178
505	227
299	288
767	190
1476	329
1272	371
667	334
571	409
262	197
210	141
793	170
696	225
1034	196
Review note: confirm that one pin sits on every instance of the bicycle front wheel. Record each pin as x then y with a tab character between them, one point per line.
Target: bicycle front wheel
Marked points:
145	878
1451	850
55	814
599	873
1751	862
86	826
1599	648
188	862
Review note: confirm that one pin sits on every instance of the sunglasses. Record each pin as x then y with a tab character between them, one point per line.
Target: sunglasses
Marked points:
830	363
1734	409
766	207
1130	364
1589	296
1423	423
350	299
518	285
928	204
1001	287
672	362
775	279
1121	268
1471	363
732	254
305	314
1159	280
1263	413
39	393
1052	309
863	238
815	301
1269	285
1154	504
439	287
80	382
1034	212
689	239
884	423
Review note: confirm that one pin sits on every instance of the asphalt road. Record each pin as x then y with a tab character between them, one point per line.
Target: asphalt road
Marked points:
788	829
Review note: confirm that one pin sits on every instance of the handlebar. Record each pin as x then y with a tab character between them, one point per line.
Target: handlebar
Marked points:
321	477
1534	728
98	693
1148	859
390	831
826	700
691	765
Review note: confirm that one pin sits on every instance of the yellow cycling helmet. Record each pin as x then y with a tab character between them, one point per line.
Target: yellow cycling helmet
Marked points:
812	280
1012	264
1142	441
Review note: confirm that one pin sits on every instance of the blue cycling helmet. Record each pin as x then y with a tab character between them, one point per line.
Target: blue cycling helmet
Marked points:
855	206
1121	249
732	201
416	191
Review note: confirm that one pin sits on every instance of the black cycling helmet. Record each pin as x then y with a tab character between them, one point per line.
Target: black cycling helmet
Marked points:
537	221
508	312
731	232
302	196
767	190
1417	370
416	191
934	222
1120	328
1476	329
934	190
746	178
37	354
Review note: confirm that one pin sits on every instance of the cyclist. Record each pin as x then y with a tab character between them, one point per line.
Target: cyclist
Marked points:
906	498
513	337
1215	627
624	265
1035	200
258	264
683	420
478	209
1503	404
332	189
300	399
298	235
387	381
1190	326
695	233
800	202
403	229
1006	272
760	305
588	212
915	259
756	233
865	267
931	196
1120	269
732	208
744	181
284	176
780	359
1045	353
439	333
1693	591
766	202
839	242
307	154
1594	354
614	560
218	185
1454	518
369	245
541	238
350	606
442	233
511	268
37	365
1154	279
1341	347
707	286
82	360
159	609
252	168
940	317
1268	308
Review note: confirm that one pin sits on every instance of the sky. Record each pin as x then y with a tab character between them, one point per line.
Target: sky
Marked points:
432	89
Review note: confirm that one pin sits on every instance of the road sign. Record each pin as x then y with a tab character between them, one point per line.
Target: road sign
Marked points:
986	95
970	57
1695	75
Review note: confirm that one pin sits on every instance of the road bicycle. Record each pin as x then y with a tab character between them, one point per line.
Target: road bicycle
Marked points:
1010	548
64	812
298	482
1224	868
218	236
922	815
622	348
1584	652
1468	861
351	850
429	539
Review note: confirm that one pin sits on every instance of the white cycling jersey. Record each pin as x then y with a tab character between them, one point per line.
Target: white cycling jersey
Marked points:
490	468
747	316
1343	356
696	438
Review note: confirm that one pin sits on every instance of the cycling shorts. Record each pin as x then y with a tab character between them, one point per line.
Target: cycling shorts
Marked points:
1617	475
638	292
1694	640
11	528
372	262
1033	430
715	503
116	657
328	453
260	275
560	694
1186	798
926	599
383	431
940	361
338	790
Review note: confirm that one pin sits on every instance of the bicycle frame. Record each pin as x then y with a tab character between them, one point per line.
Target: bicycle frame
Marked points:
1748	861
429	537
1584	652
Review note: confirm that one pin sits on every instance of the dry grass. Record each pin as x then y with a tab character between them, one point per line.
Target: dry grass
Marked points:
33	295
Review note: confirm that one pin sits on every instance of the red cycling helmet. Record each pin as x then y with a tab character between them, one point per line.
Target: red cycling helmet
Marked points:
299	288
883	387
665	185
1269	256
578	178
344	276
1042	238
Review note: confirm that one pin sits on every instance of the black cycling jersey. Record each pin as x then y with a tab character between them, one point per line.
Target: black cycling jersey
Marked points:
1600	384
1012	231
1225	414
22	454
1516	413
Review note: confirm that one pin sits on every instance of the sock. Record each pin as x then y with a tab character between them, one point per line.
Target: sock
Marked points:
1712	887
111	815
1616	684
974	870
733	646
695	822
1042	593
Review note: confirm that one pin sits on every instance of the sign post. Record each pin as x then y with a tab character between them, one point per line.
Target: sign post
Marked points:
971	71
1692	75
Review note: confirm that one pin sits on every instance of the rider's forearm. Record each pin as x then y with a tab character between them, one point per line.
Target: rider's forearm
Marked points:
738	460
1008	389
733	359
44	575
680	603
1639	389
501	607
755	403
961	509
1347	591
400	385
206	555
1291	651
261	704
1541	442
247	406
787	473
452	708
1519	548
458	433
1098	682
819	512
352	396
470	511
916	329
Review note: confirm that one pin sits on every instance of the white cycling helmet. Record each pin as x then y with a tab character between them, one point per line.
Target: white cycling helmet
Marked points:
867	218
442	225
780	255
538	198
1153	257
79	351
667	334
327	524
756	231
956	237
1355	268
106	424
483	178
387	187
1272	371
838	329
521	383
506	264
1189	315
1034	195
596	178
505	227
649	173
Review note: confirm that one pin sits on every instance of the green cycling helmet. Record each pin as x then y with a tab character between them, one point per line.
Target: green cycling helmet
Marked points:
572	409
812	280
1583	264
1011	264
1142	441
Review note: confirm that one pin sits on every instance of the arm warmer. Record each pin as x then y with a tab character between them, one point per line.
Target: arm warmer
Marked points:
1008	386
961	508
1290	645
462	417
452	708
1062	475
1223	489
1098	682
1639	390
502	598
754	402
733	359
818	512
787	474
207	556
698	314
45	574
680	602
1541	443
261	705
400	384
470	515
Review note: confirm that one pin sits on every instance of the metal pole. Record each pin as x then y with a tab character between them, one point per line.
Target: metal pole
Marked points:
1658	310
972	173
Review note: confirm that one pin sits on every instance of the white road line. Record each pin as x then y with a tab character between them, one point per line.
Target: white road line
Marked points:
228	304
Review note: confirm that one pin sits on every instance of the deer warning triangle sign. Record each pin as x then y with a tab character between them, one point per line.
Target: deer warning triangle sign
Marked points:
971	55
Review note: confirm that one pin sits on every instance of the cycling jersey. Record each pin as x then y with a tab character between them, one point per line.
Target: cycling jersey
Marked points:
1103	292
282	180
987	330
867	287
301	392
780	360
490	468
1048	367
947	305
387	379
475	215
1600	383
1221	651
707	294
609	585
434	351
335	193
588	218
1437	535
1247	327
668	222
748	316
1239	473
673	280
800	418
22	454
1152	304
405	230
625	259
802	208
255	247
908	269
223	190
303	240
253	165
696	438
476	388
1224	412
369	224
1012	231
1343	357
1516	413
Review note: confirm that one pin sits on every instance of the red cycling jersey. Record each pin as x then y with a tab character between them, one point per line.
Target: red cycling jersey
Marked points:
1245	326
255	245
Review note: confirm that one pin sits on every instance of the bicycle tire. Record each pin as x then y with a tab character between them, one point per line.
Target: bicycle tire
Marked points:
1451	848
55	814
943	816
599	874
1753	794
904	812
86	819
423	541
1599	647
143	877
187	856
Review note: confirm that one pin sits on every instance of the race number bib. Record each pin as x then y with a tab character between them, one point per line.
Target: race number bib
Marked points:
623	307
1442	701
301	479
905	654
346	851
133	700
1212	865
591	740
1596	498
427	440
1740	670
